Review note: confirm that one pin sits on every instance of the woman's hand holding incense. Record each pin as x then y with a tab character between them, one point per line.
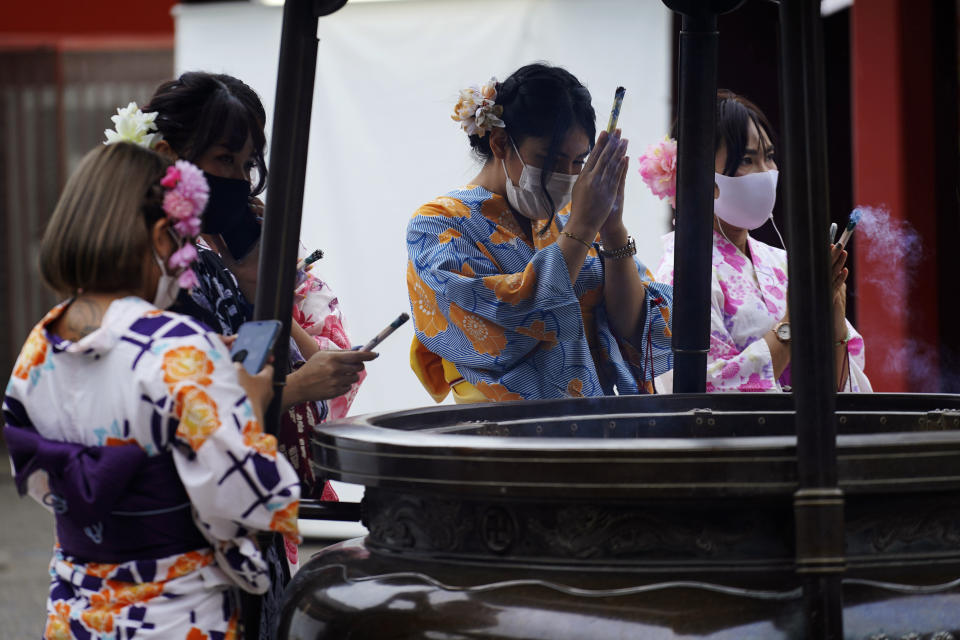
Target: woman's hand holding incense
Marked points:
838	277
613	233
593	199
838	274
595	192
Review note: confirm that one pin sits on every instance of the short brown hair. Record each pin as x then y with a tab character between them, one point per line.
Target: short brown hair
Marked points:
99	233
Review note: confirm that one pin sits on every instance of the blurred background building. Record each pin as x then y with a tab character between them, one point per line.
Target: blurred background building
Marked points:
64	69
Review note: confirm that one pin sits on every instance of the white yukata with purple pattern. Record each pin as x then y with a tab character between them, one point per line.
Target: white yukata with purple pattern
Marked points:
166	383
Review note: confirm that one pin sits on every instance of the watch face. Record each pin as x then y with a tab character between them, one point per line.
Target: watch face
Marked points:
783	332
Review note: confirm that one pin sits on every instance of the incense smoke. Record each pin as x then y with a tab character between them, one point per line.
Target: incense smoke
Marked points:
893	248
893	251
916	358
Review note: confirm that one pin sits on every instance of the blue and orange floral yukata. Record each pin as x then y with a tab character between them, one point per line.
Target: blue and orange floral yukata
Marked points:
142	442
498	319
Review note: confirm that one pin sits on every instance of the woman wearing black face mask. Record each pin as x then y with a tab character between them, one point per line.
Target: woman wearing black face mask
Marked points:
217	122
523	284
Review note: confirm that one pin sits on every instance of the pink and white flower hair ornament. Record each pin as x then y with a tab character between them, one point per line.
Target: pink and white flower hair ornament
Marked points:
135	126
185	198
477	110
658	168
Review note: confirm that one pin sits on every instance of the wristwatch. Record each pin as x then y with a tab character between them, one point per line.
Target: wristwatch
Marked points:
626	251
782	331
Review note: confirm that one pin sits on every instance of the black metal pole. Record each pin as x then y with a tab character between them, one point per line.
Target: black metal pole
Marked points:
699	41
697	96
276	275
276	272
818	503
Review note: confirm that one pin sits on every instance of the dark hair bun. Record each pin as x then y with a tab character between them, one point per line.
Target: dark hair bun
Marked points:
200	109
539	100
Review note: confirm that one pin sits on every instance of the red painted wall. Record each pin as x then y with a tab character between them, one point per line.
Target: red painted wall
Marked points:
893	140
88	17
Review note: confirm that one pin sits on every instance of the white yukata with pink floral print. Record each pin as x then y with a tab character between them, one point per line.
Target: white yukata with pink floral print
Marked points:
317	309
748	298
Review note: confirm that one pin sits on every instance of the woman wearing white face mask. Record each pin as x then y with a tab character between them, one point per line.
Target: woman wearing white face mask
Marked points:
523	283
750	321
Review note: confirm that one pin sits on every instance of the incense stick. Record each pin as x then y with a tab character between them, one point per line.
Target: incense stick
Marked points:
851	225
615	111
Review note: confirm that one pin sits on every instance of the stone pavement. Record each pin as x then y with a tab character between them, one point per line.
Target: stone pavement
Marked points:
26	541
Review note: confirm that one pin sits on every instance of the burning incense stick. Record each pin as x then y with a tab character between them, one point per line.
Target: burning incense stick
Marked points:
310	259
615	111
851	225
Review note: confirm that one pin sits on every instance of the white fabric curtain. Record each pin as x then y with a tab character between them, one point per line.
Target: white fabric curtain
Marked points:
382	142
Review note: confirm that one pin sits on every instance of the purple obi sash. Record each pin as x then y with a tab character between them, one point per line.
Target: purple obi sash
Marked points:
112	504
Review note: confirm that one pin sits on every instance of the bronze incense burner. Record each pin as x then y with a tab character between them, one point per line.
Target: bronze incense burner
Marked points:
653	516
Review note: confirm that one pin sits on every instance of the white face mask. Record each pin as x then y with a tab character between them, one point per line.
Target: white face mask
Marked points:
167	287
746	201
528	197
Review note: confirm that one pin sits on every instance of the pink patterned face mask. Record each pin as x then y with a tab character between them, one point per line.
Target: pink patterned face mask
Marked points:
746	201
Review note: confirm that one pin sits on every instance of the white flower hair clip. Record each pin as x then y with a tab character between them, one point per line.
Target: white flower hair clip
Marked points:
133	125
477	110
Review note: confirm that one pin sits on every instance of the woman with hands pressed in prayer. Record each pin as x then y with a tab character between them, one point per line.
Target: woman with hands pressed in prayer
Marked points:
523	284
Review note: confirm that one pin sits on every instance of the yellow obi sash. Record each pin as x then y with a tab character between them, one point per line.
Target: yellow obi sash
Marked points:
439	377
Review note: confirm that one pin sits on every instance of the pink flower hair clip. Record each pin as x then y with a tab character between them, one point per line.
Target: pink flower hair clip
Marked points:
477	110
184	201
658	168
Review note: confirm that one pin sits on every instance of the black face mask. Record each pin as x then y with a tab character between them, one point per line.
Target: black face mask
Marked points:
228	203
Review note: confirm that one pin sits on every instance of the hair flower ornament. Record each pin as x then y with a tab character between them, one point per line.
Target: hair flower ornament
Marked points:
133	125
658	168
477	110
185	198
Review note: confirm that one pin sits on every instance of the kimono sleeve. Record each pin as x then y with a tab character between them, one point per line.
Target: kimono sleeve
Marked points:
317	309
664	271
652	356
15	415
857	380
469	312
730	368
228	465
